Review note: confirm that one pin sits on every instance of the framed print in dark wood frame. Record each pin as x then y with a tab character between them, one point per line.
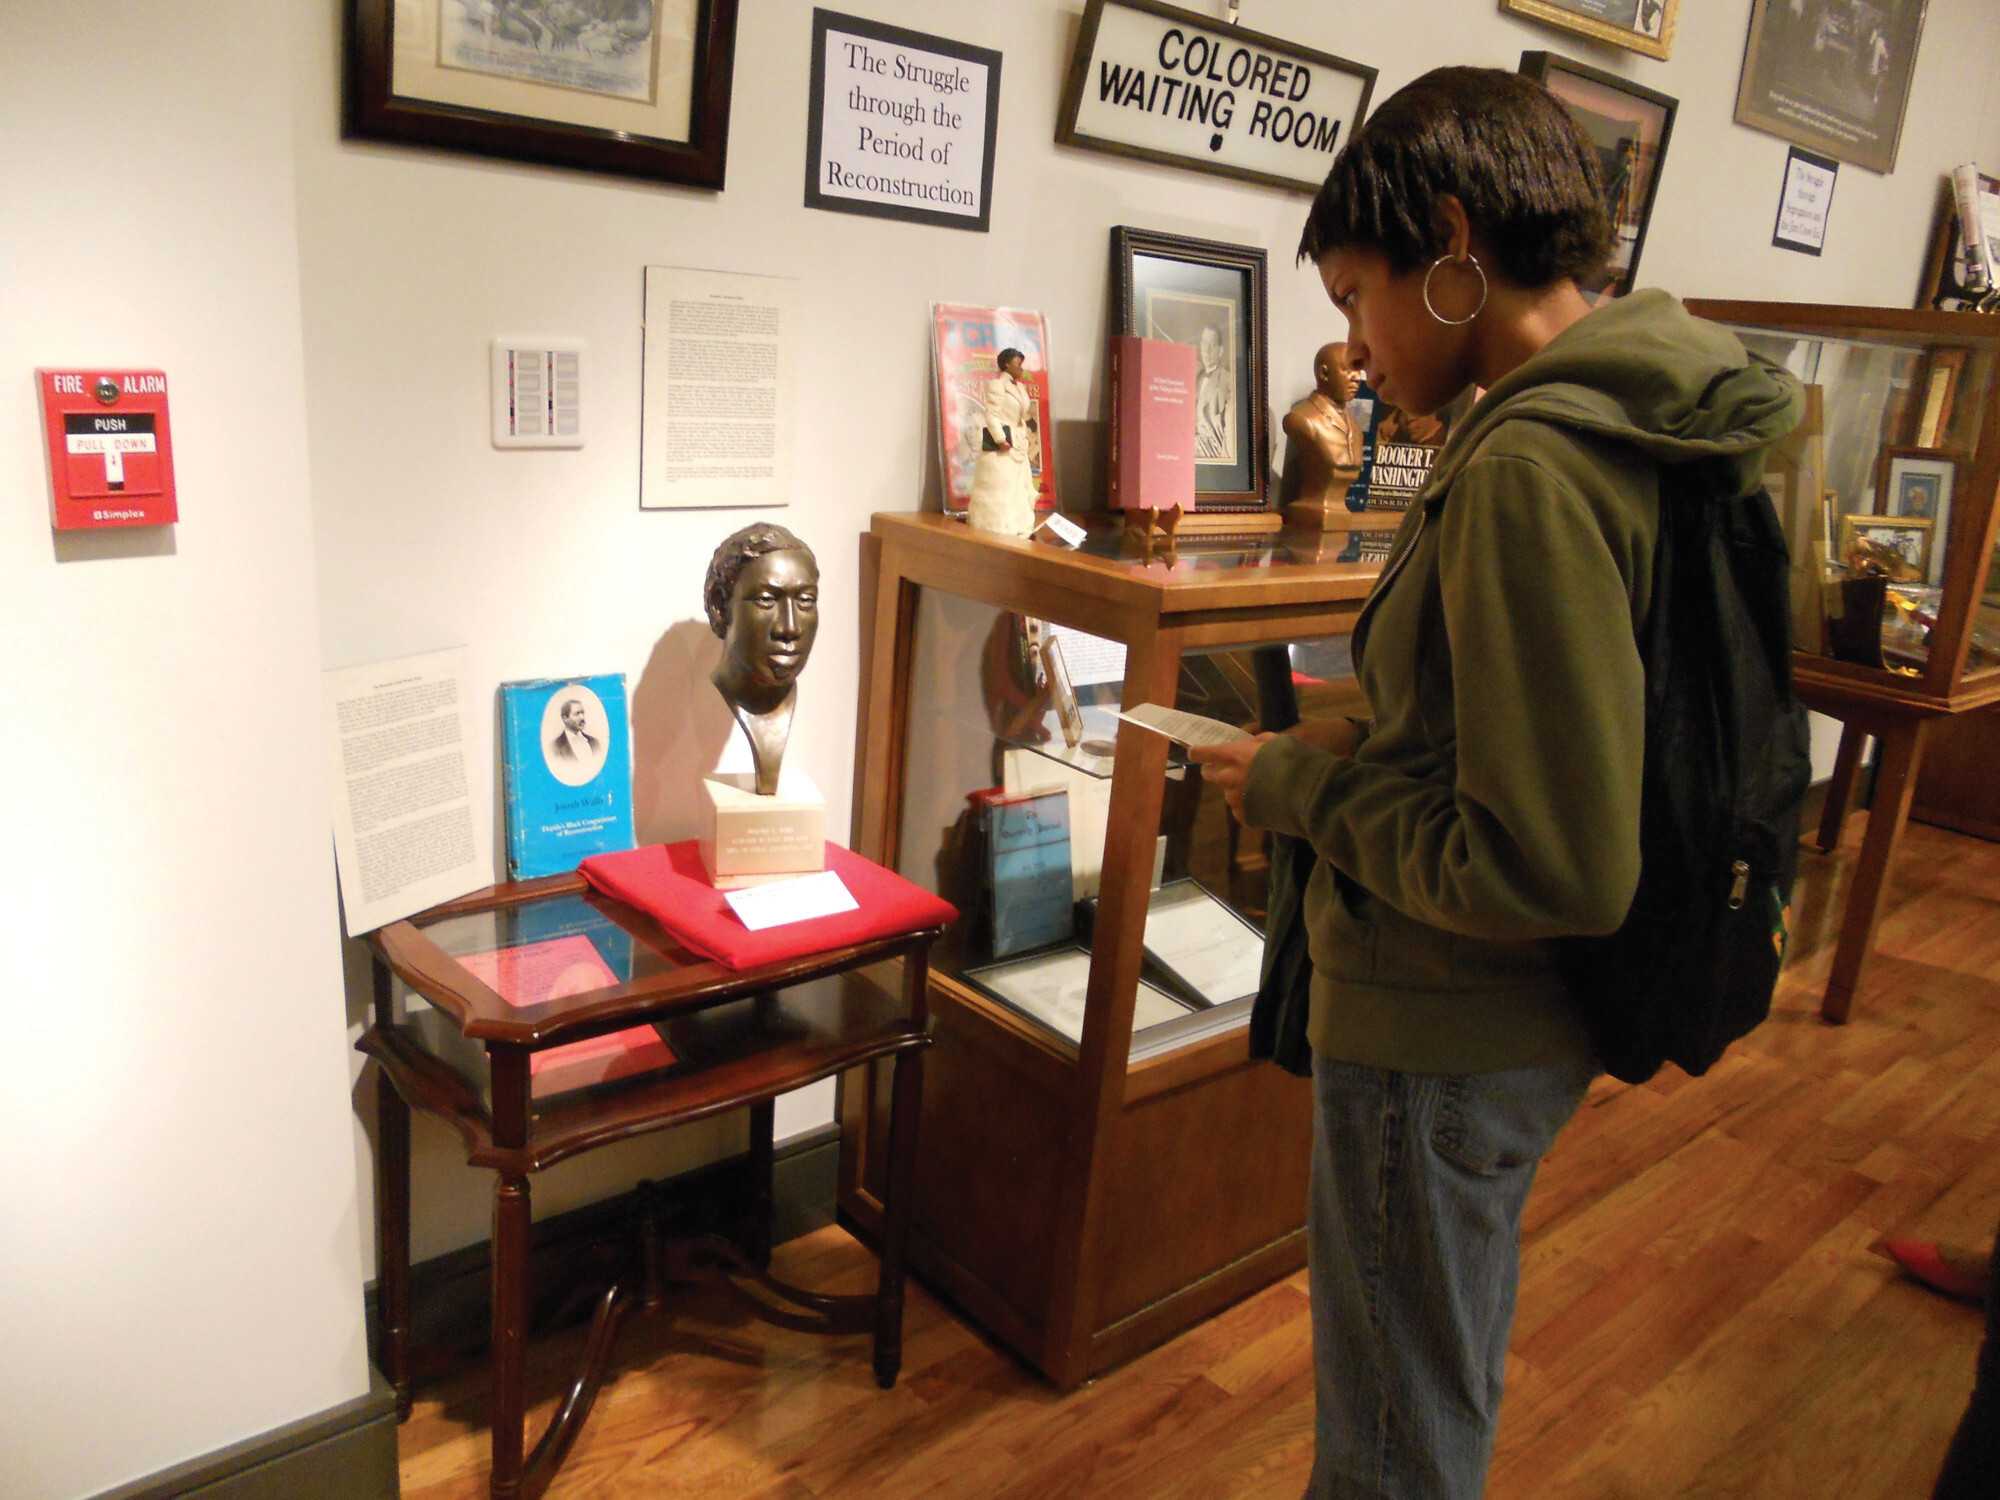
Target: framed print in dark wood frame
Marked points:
1159	83
1210	295
1831	75
1629	127
648	97
1644	26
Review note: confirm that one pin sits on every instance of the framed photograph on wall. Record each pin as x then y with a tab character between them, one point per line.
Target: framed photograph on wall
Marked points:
1629	127
1645	26
1831	75
1917	484
639	88
1210	296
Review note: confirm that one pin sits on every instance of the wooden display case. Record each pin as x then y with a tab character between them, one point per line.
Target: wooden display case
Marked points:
1902	440
1090	1182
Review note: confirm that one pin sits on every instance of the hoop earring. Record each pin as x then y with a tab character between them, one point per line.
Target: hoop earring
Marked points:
1470	260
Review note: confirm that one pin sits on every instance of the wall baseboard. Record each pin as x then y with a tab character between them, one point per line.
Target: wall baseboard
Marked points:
347	1452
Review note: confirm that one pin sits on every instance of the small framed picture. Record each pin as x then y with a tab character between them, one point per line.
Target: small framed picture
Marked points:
1916	484
1899	546
1645	26
1941	377
1628	126
1211	296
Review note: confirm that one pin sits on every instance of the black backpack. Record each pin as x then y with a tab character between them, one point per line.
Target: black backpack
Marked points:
1727	766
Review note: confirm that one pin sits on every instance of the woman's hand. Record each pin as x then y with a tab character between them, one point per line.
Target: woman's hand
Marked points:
1335	736
1228	767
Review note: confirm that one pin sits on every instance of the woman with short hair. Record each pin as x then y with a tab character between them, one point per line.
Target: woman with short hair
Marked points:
1492	804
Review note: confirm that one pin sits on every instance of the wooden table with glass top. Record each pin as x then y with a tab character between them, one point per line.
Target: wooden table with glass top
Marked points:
580	968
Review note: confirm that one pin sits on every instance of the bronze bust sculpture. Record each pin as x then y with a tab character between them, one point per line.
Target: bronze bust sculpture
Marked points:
1326	445
762	597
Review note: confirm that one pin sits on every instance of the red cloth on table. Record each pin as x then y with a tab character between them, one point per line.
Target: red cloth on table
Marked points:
669	883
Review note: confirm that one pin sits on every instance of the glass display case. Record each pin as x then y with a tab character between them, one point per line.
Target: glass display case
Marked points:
1886	491
1101	1164
1887	496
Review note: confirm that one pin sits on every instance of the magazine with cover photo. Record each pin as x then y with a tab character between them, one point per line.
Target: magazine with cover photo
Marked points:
966	342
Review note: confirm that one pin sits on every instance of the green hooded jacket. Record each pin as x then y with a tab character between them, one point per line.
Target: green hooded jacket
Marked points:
1494	804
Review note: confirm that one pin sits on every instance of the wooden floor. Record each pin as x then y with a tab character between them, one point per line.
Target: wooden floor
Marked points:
1699	1312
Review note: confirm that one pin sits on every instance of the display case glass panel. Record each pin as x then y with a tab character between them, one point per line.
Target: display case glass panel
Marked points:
1876	490
1007	801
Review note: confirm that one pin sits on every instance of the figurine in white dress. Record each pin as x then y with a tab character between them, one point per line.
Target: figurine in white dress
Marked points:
1003	483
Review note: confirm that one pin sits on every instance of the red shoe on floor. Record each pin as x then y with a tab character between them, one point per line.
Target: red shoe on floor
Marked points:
1943	1268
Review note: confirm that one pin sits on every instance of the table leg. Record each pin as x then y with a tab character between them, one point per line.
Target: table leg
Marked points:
1902	753
1840	789
763	1171
511	1218
392	1236
905	1105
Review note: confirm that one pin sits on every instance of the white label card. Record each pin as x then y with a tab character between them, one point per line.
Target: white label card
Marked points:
786	901
1066	531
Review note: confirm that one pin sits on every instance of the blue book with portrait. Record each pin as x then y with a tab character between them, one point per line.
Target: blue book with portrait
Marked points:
567	767
1028	871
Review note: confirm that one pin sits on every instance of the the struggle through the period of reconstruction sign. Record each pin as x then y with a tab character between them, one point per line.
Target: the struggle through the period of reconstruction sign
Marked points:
901	124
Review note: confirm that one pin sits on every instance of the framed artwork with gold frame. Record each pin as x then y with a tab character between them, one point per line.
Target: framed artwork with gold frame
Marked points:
1908	537
1643	26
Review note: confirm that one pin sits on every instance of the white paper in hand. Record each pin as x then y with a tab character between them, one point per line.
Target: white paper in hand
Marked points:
1183	728
784	901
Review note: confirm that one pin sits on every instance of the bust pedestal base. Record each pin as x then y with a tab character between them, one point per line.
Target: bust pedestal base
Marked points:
748	840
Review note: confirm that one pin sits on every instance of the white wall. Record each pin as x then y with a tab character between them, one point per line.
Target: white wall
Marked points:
179	1249
543	563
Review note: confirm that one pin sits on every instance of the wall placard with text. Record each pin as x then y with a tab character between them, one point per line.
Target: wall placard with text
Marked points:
901	124
1805	202
1165	84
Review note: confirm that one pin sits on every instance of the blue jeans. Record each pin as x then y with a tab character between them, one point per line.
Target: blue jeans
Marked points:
1413	1236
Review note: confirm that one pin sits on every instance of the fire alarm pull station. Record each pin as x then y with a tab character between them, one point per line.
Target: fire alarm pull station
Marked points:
111	457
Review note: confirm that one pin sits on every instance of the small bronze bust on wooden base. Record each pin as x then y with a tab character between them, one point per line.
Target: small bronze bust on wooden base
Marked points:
762	598
1324	454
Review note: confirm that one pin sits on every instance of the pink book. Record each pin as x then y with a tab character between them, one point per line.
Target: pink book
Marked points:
533	973
1152	423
